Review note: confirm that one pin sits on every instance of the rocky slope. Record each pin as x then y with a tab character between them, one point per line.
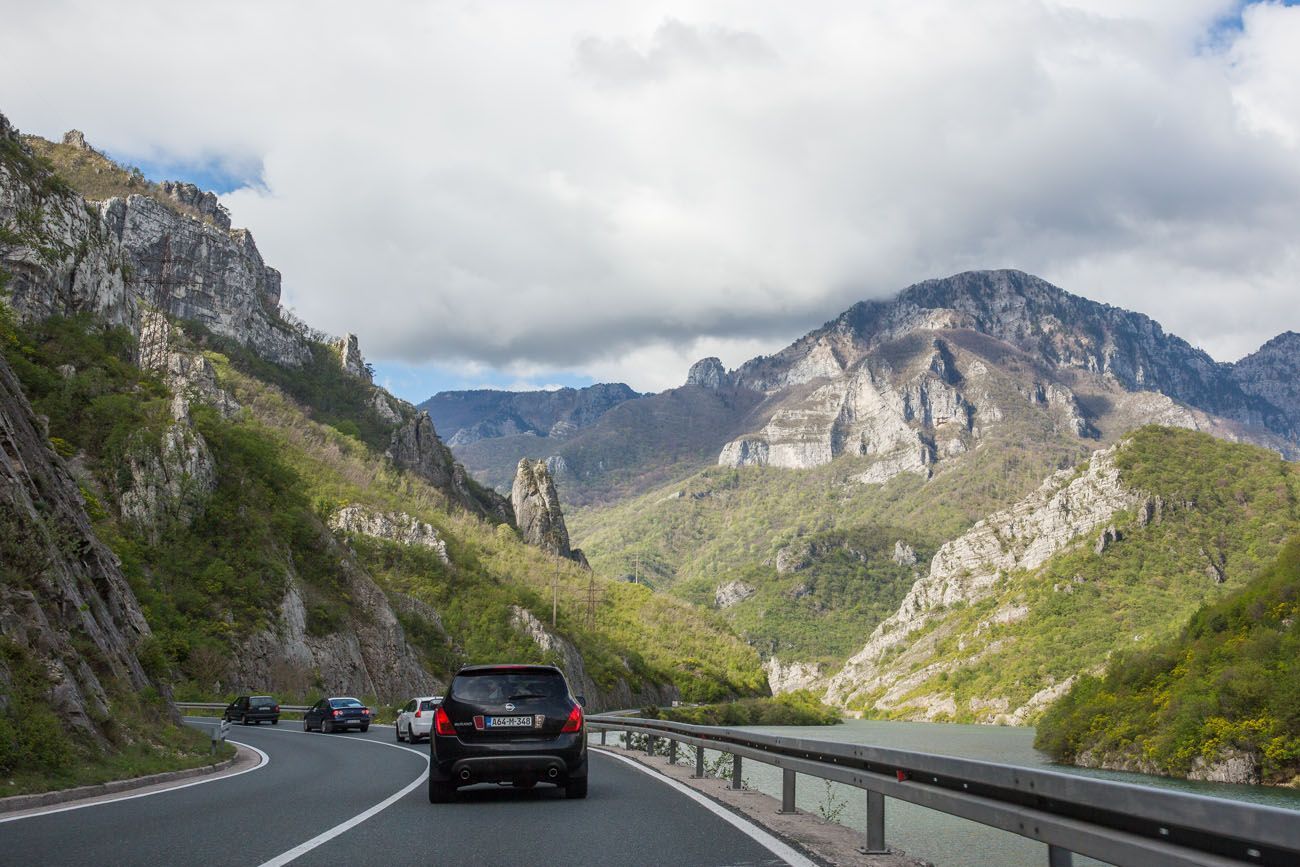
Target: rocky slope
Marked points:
1116	552
288	525
64	604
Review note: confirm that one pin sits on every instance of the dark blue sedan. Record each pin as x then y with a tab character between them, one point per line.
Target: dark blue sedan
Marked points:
331	714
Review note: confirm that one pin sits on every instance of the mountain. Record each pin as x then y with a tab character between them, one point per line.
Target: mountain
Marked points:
470	416
914	381
204	495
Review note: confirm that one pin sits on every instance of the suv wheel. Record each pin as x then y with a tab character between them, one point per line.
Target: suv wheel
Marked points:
576	788
441	793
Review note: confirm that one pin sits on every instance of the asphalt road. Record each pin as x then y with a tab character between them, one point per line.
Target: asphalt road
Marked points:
338	799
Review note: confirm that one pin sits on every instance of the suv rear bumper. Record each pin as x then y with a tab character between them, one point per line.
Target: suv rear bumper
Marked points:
464	764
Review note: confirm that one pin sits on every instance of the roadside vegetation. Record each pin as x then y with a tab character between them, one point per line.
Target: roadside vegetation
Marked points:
1227	684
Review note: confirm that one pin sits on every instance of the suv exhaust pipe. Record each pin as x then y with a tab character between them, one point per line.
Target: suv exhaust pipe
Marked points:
552	773
464	773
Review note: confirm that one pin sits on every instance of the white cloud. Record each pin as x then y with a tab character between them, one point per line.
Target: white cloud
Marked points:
617	189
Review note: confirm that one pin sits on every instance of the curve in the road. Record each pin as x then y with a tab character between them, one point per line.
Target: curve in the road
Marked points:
363	806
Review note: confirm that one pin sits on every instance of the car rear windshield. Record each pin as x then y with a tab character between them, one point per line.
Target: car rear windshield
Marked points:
262	701
428	704
502	686
345	702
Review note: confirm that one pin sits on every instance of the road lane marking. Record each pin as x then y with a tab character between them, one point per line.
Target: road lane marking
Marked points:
81	805
324	837
777	847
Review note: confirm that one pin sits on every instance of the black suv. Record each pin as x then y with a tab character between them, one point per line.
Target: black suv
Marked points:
253	709
515	724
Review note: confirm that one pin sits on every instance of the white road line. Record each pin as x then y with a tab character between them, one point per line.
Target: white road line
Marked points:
322	838
774	845
110	800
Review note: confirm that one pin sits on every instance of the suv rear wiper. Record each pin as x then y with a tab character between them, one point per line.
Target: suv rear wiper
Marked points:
526	695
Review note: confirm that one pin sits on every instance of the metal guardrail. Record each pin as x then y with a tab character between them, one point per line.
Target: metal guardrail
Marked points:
220	705
1119	823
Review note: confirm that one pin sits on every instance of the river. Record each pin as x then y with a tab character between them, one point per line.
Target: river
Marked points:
946	840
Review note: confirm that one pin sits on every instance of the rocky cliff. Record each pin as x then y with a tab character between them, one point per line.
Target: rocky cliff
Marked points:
64	603
120	256
537	511
964	571
416	447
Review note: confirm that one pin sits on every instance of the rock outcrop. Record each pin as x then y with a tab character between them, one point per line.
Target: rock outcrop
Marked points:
350	357
170	481
567	657
63	598
206	204
415	447
537	511
122	256
707	373
732	593
187	373
396	527
1069	505
793	676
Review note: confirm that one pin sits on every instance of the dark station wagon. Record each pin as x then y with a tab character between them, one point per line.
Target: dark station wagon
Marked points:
253	709
508	724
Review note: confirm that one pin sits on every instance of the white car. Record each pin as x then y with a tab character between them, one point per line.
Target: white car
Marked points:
415	720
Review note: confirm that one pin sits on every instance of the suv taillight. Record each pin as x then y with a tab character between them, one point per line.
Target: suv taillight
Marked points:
442	723
276	709
338	713
574	722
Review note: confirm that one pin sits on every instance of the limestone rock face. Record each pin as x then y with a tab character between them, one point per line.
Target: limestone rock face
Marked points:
63	597
794	676
350	357
537	509
370	656
906	422
169	481
966	569
707	373
415	446
903	555
119	257
392	526
732	593
1230	766
187	373
570	661
192	197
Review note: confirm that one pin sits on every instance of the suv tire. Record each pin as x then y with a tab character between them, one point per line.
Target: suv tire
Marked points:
576	788
441	793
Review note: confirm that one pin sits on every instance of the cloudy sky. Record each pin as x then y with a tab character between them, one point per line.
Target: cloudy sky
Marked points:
535	193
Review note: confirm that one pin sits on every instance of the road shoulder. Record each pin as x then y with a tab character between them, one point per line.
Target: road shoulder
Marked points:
828	842
21	806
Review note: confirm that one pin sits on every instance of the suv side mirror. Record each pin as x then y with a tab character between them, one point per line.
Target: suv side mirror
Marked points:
582	701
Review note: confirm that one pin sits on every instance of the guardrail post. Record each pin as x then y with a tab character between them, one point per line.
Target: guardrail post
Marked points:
787	791
650	745
875	825
602	737
699	764
735	771
1058	857
672	752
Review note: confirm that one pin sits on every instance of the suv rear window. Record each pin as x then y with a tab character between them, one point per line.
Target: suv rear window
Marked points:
262	701
502	686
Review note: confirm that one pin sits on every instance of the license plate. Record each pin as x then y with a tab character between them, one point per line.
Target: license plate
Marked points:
509	722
